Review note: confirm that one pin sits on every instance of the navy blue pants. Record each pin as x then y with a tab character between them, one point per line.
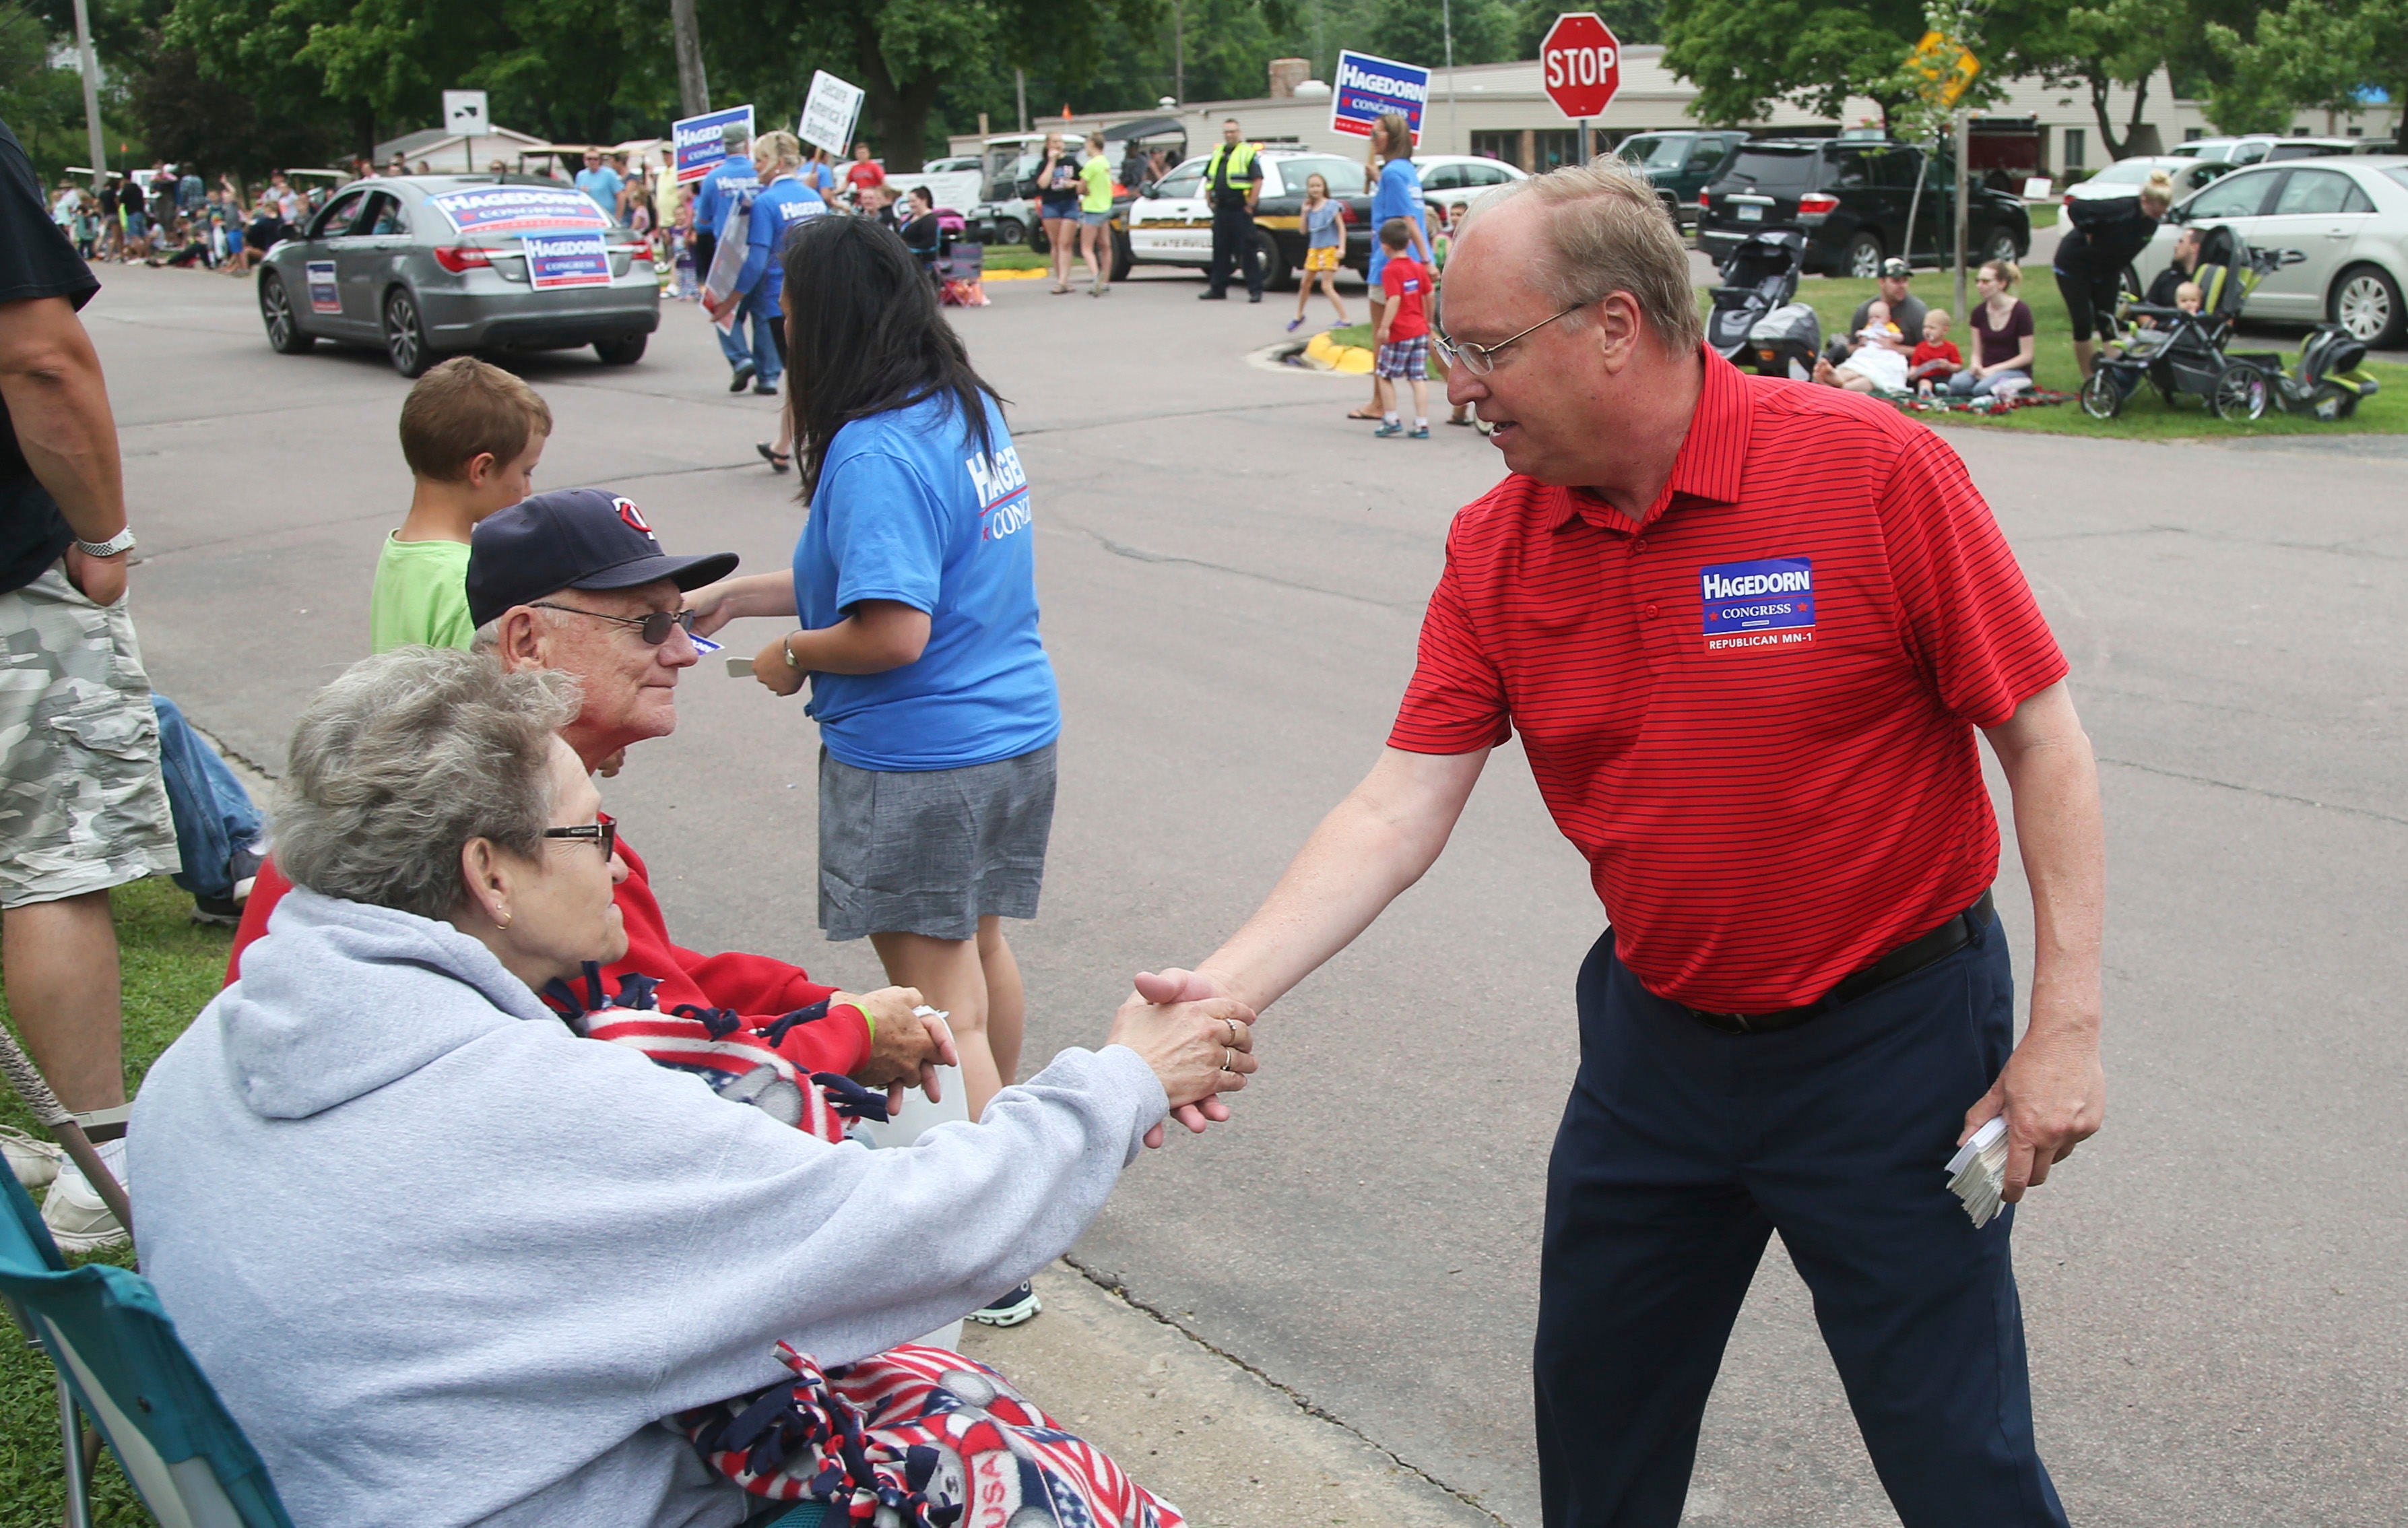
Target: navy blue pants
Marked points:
1681	1150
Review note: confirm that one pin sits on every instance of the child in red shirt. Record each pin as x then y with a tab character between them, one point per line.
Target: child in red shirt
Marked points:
1936	359
1403	335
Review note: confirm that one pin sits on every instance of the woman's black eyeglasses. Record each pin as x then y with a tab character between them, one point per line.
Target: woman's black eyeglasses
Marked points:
655	626
604	834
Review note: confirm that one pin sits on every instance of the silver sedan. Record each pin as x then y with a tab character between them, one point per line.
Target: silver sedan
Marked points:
425	264
2348	219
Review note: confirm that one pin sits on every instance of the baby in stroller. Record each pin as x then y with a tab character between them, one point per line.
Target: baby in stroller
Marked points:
2181	350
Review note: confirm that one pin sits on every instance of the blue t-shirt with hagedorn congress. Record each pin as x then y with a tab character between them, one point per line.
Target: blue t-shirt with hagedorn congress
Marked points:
908	509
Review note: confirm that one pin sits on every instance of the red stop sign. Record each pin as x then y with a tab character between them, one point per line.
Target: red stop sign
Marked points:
1581	63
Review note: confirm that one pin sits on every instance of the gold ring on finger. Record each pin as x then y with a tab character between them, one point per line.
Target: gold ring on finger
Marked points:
1227	1057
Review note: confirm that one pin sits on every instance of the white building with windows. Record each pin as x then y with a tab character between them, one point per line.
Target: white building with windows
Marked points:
1499	111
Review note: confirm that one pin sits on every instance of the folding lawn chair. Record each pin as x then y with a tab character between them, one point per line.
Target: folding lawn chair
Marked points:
120	1363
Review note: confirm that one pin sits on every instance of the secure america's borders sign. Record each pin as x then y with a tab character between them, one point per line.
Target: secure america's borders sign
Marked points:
830	111
1367	86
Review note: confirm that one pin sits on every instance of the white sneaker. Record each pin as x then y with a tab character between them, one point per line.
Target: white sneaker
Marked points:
79	1221
35	1160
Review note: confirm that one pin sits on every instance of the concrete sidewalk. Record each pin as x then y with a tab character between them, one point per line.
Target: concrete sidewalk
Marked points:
1198	1429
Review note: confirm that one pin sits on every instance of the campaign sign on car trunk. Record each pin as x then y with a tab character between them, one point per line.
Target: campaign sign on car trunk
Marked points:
518	210
1769	604
571	260
324	296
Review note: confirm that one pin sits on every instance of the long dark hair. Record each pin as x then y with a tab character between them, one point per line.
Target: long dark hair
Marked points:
866	337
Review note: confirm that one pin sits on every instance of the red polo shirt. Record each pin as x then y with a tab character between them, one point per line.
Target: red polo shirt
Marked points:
1753	710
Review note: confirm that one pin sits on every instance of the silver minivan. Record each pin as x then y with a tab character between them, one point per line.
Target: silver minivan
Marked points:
421	265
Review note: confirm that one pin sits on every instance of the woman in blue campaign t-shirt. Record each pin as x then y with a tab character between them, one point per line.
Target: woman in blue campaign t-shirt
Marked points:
915	589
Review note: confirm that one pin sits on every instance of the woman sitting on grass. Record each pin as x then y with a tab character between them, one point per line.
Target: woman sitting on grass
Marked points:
2004	337
447	1261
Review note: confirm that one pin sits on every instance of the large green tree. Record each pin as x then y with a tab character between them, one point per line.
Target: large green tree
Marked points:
1744	55
2317	54
2096	45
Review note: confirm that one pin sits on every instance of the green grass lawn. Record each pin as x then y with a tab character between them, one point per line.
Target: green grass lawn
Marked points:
2043	214
2145	417
1013	257
171	968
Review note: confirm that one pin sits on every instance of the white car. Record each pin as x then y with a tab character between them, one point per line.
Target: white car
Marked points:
1174	225
2262	148
2126	177
2349	216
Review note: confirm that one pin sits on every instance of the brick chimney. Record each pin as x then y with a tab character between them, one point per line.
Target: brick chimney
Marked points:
1286	74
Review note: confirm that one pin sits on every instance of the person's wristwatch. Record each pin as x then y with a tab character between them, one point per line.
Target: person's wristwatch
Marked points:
121	542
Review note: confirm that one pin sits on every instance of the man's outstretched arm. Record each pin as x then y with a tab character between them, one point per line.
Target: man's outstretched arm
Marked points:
2053	1091
1373	844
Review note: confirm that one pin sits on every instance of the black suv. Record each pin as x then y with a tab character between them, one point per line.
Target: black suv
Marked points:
1850	197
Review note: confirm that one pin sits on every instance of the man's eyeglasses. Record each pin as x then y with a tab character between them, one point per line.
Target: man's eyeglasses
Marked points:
1480	360
604	834
655	626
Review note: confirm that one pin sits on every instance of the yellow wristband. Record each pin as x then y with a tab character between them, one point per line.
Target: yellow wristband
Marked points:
868	1021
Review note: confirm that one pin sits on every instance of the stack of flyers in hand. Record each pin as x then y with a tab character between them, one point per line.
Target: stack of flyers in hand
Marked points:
1978	1173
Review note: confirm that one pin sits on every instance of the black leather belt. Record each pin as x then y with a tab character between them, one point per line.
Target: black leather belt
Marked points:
1906	960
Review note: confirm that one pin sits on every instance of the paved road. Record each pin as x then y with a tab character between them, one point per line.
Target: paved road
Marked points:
1232	579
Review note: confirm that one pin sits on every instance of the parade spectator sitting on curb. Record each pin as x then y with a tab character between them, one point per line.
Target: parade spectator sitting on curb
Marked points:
1402	331
1906	309
2004	337
1936	359
447	1261
574	581
473	435
2163	290
1877	356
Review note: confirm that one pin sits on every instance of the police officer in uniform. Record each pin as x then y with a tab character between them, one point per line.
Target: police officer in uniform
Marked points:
1233	180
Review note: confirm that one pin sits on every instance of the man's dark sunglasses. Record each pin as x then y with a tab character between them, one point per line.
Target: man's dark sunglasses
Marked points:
654	627
603	833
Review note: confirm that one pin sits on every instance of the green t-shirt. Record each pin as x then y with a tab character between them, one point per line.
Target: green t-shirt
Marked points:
422	595
1097	176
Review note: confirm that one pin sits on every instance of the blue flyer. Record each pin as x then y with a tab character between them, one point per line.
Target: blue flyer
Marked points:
702	141
1367	87
324	296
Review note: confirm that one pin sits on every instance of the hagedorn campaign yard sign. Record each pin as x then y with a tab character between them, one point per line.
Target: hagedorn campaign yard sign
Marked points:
1580	65
1367	87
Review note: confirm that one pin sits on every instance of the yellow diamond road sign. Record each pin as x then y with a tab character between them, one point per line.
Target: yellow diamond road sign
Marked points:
1946	67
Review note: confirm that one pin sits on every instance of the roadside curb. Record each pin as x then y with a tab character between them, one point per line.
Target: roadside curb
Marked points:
1198	1429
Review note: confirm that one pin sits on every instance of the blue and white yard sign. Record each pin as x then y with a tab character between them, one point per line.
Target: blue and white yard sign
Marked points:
570	260
1367	86
702	141
325	297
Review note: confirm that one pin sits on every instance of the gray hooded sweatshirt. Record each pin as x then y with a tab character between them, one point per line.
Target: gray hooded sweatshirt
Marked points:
448	1264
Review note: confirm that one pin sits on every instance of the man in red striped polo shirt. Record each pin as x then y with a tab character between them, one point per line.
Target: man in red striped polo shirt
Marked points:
1749	630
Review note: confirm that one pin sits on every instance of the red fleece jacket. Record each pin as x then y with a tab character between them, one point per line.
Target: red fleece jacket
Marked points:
756	988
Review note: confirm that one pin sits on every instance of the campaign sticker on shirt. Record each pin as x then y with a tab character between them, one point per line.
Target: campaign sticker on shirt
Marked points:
1769	604
518	210
576	260
324	296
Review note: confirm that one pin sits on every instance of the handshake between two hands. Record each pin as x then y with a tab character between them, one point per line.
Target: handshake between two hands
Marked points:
1200	1044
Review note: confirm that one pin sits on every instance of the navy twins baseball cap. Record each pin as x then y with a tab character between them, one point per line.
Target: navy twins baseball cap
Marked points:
572	538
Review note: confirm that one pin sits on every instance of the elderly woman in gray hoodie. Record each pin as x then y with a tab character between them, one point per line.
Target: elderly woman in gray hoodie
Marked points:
447	1261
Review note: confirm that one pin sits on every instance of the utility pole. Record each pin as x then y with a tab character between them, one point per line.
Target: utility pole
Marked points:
91	70
1020	86
694	91
1446	20
1964	146
1179	51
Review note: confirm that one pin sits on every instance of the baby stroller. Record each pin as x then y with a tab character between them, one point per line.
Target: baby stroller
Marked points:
1758	276
2332	379
2183	355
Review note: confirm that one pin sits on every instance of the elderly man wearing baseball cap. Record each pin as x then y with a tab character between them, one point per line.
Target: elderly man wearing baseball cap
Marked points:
575	580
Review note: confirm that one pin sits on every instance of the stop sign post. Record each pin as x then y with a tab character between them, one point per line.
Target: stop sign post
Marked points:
1580	65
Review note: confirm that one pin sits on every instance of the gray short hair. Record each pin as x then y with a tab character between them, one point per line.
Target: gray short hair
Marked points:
406	756
1608	233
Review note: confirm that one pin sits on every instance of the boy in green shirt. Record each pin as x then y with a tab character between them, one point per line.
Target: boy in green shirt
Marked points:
472	434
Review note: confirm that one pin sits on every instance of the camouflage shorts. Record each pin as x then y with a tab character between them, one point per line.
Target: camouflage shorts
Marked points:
83	806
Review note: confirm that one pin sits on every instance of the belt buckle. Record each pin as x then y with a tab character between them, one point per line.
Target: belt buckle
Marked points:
1737	1021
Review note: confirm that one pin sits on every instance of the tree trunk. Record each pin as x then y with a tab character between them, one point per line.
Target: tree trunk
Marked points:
900	111
2099	85
694	88
2136	130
